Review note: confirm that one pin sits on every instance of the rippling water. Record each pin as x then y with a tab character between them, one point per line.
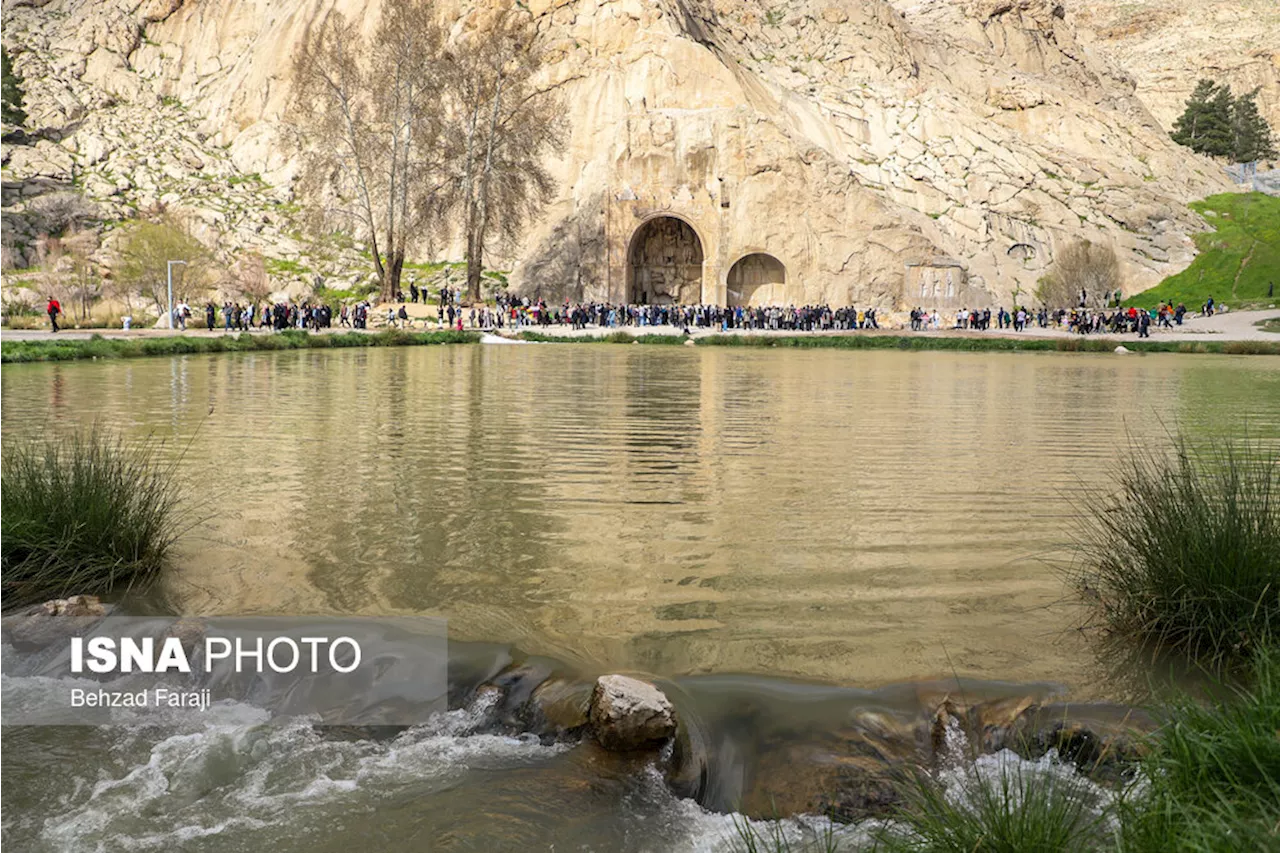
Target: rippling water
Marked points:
860	517
853	517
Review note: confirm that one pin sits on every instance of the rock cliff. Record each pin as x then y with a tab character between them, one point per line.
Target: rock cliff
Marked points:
1167	46
729	150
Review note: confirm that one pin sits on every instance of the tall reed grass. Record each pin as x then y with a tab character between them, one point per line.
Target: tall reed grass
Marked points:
994	806
1186	556
84	513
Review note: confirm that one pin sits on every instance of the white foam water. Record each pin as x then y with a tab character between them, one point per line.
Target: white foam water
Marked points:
238	782
240	775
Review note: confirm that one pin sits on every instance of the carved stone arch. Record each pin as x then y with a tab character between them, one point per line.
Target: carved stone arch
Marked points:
757	279
665	262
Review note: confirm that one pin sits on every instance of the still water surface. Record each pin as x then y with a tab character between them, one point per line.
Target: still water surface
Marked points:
858	518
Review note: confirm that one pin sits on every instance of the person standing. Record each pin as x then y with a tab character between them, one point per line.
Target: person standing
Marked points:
53	309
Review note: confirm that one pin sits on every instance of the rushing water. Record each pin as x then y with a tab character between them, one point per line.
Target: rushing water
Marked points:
858	518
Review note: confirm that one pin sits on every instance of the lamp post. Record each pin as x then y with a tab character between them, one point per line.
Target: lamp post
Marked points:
169	271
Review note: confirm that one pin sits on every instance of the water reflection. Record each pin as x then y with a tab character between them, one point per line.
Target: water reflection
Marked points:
860	517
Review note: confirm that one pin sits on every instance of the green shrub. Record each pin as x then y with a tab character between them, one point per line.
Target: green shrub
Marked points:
83	514
1186	557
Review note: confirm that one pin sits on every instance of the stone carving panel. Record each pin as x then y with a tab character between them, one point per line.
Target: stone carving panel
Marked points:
665	263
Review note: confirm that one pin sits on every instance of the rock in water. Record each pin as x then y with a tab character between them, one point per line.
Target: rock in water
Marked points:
1121	350
629	714
50	622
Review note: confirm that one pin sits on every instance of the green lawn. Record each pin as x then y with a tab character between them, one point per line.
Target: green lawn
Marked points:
1237	261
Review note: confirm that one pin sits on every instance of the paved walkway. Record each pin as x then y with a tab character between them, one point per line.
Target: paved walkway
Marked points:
1232	326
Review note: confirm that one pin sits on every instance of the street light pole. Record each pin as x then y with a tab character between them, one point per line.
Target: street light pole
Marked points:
169	271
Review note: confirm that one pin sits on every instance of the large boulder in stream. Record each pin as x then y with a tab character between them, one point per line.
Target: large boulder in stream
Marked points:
628	714
1104	741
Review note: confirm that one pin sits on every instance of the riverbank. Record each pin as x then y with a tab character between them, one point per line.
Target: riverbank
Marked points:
925	342
1239	333
49	348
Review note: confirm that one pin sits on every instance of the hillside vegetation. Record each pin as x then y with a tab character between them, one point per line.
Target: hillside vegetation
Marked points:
1238	260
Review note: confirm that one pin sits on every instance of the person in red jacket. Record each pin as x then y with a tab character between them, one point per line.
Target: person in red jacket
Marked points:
53	309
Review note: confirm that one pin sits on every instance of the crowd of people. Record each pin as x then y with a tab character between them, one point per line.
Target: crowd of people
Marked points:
234	317
516	312
1081	320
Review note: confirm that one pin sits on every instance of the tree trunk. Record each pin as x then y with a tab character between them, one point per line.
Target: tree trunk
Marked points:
475	266
482	218
468	189
395	264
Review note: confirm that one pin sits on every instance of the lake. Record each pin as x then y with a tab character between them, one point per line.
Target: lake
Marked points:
855	518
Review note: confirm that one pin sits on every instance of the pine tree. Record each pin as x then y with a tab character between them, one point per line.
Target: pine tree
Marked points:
1252	139
11	107
1218	139
1205	125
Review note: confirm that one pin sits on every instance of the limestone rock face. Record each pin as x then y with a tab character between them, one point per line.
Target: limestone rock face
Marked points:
841	151
627	714
1167	47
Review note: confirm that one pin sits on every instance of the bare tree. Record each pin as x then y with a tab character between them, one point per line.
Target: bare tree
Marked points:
144	256
51	258
369	112
83	276
508	127
57	213
1083	274
248	277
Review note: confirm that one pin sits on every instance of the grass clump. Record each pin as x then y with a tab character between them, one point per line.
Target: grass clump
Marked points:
1186	557
999	806
1211	782
84	513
